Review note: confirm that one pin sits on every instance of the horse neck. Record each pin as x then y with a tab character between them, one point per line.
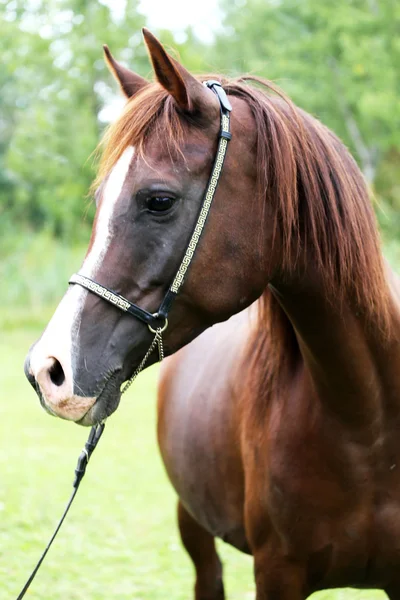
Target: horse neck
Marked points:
351	362
325	266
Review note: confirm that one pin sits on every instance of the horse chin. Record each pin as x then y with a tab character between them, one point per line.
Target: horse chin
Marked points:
106	403
98	408
101	409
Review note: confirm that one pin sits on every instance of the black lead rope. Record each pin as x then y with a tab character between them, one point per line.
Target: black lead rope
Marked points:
92	441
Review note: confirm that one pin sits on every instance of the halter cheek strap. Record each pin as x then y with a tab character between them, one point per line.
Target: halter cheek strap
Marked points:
158	321
224	137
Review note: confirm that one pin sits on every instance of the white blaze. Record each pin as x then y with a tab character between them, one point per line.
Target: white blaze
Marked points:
59	338
112	191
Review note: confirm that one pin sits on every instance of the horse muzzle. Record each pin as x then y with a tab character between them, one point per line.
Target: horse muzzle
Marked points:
58	397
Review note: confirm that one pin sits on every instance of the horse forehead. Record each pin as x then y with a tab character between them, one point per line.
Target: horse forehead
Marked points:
192	158
190	142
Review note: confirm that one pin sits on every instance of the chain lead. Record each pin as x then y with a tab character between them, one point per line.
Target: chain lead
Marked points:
157	341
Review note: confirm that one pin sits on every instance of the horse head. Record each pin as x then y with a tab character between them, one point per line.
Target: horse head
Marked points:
156	163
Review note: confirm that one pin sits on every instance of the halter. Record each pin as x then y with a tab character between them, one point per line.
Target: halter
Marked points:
158	322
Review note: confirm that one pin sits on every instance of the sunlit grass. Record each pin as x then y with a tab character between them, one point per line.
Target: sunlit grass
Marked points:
120	539
34	272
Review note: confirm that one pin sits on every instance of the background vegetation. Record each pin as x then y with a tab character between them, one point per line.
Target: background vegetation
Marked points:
339	60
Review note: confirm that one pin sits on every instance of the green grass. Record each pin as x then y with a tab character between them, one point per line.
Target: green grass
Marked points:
120	539
34	272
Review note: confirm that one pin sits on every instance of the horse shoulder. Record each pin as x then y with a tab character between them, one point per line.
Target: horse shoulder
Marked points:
198	427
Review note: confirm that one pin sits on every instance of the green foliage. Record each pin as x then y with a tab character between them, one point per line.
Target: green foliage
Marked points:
53	85
339	61
34	271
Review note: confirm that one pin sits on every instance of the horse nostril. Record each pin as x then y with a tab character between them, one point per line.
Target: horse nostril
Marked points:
56	373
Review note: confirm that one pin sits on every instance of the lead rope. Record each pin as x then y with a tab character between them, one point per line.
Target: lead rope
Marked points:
92	441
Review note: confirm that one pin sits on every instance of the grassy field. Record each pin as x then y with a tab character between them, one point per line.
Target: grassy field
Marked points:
120	539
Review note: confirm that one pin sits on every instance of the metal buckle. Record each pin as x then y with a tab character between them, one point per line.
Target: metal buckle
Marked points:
158	329
217	88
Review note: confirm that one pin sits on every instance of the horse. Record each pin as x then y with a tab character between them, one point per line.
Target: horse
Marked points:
279	424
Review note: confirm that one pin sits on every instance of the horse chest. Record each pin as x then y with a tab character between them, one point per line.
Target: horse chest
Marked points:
341	504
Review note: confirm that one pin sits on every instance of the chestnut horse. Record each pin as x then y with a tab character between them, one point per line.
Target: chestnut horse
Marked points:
280	428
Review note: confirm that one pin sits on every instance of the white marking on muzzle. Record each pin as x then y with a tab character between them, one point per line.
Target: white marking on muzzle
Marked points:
57	342
59	339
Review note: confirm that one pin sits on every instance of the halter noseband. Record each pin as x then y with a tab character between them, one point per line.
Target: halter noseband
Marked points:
158	322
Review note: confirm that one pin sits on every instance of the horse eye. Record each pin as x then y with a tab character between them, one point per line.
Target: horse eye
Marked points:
160	204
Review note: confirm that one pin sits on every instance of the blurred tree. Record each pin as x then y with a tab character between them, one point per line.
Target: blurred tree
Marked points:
338	60
53	86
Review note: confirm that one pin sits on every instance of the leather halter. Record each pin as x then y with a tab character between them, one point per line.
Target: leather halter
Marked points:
158	321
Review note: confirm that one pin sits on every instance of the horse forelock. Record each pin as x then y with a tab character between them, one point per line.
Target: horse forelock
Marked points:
152	110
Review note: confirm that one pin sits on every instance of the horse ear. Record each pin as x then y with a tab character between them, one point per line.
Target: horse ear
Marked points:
188	92
129	82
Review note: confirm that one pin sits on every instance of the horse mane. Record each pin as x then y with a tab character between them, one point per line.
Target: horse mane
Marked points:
323	212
